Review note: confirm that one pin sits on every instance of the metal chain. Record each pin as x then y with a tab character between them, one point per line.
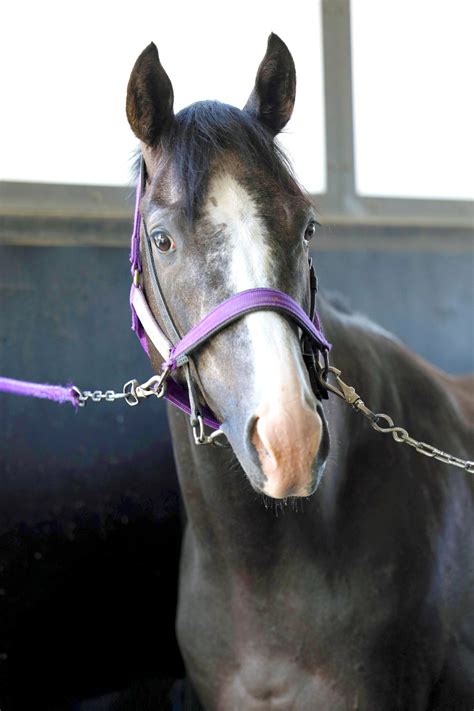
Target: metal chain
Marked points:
348	394
83	396
132	391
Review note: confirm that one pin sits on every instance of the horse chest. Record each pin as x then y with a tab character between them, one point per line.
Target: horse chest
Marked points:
262	682
258	673
233	669
278	649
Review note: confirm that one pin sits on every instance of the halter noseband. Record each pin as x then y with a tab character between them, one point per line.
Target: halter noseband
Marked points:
176	350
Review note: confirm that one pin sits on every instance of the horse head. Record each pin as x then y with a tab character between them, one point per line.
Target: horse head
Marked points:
224	213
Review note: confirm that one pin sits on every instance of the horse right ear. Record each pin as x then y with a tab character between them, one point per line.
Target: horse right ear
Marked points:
149	97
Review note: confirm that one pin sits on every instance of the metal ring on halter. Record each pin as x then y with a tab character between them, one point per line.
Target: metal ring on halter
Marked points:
200	436
197	425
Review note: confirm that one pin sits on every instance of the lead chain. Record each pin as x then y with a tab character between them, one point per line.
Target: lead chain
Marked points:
133	391
399	434
83	396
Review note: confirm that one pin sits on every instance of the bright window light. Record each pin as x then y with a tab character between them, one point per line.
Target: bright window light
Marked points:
413	97
66	67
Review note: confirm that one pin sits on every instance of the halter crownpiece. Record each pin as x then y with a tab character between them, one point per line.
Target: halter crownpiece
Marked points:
176	350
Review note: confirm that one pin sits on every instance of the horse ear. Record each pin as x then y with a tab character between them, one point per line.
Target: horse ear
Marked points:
273	97
149	97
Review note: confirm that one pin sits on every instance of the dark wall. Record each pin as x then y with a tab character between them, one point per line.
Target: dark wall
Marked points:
89	523
425	298
89	505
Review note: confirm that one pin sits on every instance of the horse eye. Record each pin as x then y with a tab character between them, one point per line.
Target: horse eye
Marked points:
310	230
163	242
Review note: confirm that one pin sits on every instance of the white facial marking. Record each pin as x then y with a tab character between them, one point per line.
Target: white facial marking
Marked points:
274	353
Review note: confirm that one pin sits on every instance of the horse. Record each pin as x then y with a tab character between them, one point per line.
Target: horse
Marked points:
323	566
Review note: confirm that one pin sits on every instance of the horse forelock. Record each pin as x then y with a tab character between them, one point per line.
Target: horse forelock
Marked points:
209	135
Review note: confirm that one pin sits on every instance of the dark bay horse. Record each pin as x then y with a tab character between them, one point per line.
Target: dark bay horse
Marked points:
352	590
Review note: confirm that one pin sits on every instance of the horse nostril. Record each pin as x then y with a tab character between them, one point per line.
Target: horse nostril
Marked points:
259	441
286	443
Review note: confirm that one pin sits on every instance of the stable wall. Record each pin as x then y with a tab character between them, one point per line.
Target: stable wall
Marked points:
89	509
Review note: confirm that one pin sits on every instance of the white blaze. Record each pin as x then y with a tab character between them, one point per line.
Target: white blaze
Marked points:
274	353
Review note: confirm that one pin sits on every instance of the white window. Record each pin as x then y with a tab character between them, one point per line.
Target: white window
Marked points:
65	68
412	63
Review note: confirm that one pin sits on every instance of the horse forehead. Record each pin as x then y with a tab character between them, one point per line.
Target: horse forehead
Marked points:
233	212
249	203
229	202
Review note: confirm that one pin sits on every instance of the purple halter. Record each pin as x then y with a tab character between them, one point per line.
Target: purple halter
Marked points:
176	350
176	353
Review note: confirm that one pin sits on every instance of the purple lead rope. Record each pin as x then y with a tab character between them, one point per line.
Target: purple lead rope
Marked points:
56	393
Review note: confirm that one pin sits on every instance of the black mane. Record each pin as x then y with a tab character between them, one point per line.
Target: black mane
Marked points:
203	132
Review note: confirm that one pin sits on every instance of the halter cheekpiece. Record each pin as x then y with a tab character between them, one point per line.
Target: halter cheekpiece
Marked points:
176	349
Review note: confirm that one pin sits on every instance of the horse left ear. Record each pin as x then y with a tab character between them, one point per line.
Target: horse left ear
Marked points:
273	97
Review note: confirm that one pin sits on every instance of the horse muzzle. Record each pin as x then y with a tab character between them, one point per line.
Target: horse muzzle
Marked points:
287	444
